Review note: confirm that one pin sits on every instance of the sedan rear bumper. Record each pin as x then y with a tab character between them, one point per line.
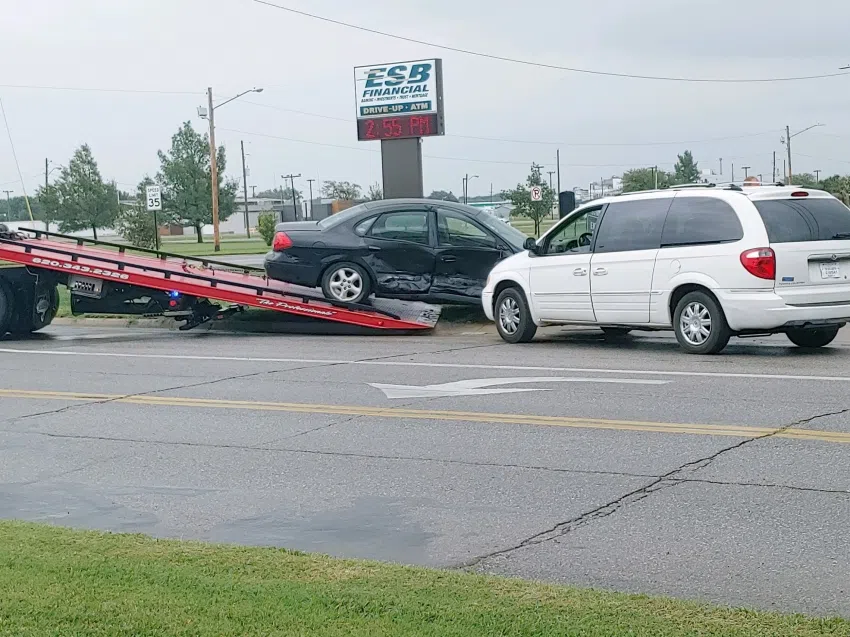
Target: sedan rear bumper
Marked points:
280	268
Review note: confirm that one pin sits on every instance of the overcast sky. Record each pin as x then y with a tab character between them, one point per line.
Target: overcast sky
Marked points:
306	65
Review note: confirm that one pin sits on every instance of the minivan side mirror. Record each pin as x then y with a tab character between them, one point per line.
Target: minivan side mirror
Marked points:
530	245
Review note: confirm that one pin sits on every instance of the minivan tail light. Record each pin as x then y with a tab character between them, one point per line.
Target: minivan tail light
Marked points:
281	242
760	262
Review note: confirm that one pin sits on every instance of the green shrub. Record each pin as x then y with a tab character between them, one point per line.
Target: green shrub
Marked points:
265	226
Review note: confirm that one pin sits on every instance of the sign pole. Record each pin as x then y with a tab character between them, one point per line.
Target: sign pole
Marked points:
153	194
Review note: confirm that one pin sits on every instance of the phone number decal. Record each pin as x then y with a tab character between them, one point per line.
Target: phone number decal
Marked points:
82	269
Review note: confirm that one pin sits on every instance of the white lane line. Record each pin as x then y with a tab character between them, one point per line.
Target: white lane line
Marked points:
386	363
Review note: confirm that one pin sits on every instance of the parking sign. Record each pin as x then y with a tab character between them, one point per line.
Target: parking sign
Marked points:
154	197
536	193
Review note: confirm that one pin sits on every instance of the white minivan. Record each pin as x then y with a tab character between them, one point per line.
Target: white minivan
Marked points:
709	262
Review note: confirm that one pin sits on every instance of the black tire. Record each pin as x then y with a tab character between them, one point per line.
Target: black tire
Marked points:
616	332
513	320
702	306
346	282
7	313
45	307
811	339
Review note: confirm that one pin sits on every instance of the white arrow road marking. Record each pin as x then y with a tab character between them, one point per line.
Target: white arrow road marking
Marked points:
484	386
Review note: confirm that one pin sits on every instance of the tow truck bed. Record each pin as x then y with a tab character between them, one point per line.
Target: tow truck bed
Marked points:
182	287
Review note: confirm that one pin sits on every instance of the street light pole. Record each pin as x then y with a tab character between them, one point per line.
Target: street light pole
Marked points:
213	175
817	176
245	186
788	137
746	170
214	161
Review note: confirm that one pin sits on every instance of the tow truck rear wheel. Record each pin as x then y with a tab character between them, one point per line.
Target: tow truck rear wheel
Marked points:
44	309
7	299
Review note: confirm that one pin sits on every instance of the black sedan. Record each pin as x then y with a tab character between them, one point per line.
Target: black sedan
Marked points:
414	249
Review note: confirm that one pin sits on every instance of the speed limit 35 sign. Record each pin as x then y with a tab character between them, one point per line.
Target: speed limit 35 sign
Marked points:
154	197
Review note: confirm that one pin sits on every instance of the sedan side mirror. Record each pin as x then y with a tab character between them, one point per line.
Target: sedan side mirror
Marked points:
530	245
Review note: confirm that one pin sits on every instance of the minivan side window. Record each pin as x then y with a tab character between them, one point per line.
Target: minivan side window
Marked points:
700	221
632	225
814	219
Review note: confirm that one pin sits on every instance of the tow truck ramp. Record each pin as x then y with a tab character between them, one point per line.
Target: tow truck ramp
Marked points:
113	278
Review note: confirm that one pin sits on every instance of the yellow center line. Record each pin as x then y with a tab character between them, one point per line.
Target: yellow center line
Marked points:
742	431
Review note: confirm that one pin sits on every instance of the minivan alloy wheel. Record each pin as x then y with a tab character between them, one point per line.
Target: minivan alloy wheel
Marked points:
509	315
346	284
695	323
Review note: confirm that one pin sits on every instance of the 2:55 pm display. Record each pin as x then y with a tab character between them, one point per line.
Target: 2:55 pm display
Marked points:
398	127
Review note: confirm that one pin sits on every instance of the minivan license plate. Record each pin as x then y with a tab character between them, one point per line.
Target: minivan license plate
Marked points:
830	271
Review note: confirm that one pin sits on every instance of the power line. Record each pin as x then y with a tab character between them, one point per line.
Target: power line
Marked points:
98	89
841	161
545	65
465	159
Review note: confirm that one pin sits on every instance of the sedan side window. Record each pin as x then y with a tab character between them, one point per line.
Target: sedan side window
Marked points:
454	230
402	226
575	235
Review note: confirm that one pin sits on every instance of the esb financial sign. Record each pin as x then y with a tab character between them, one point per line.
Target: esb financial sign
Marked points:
399	88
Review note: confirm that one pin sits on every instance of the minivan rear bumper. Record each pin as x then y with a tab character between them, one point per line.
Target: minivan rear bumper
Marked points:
766	310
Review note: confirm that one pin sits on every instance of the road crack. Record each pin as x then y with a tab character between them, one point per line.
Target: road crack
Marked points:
670	479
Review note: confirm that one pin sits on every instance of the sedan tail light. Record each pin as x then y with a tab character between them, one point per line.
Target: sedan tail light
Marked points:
760	262
281	242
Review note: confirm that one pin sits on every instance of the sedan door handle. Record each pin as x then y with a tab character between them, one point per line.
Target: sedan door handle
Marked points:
580	272
448	259
375	248
600	272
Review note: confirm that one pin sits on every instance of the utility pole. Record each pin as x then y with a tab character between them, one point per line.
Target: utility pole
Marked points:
310	181
655	176
213	173
788	144
774	167
746	171
9	205
253	191
491	192
552	211
721	166
558	167
817	176
245	184
46	172
733	173
785	172
291	179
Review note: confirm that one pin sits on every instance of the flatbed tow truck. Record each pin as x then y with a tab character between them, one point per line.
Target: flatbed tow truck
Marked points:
112	278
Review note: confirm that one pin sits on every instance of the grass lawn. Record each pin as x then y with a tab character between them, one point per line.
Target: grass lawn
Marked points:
523	224
55	581
206	249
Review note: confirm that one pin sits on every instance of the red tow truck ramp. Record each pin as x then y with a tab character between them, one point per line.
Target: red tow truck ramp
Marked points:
79	261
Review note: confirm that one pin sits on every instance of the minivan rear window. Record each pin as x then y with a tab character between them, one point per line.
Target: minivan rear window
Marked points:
814	219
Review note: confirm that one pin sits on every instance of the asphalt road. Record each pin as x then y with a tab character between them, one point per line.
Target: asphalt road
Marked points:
624	465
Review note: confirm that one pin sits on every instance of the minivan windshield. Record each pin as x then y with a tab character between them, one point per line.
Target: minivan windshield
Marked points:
809	219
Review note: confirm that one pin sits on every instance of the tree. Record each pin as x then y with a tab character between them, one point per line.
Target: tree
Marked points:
520	197
281	193
686	170
266	225
375	192
79	199
442	195
185	176
806	180
644	179
135	222
15	209
341	190
838	186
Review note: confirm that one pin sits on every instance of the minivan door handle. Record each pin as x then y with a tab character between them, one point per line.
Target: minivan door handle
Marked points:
448	259
580	272
600	272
